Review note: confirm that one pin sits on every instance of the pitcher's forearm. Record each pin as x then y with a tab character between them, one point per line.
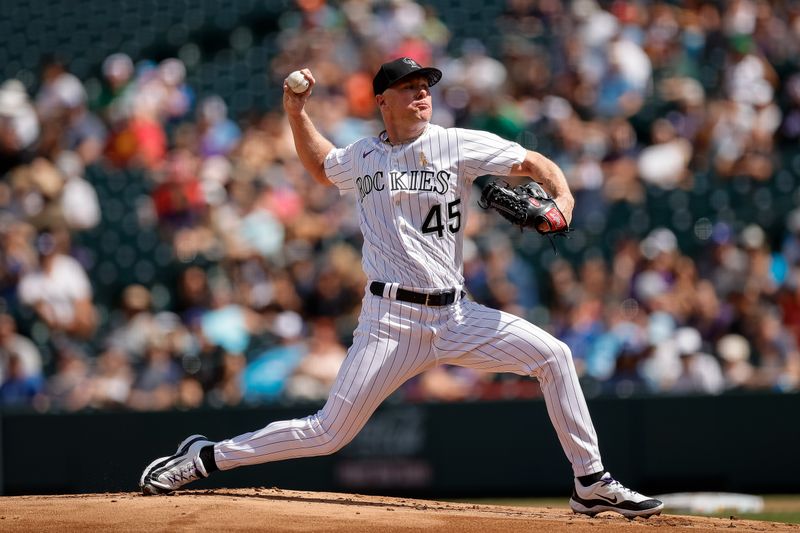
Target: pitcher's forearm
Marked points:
543	170
311	146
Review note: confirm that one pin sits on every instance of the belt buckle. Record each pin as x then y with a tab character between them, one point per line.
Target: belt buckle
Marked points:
427	298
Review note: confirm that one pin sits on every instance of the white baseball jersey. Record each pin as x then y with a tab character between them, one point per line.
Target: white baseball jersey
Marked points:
412	202
412	199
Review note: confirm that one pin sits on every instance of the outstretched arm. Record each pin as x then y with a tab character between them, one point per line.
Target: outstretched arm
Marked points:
541	169
311	146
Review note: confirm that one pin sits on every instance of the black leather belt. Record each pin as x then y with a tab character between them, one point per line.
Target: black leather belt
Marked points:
438	299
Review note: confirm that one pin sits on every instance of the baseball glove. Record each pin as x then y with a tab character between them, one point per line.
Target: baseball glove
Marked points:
526	206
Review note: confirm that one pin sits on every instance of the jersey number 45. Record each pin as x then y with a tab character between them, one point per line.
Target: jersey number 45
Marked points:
433	221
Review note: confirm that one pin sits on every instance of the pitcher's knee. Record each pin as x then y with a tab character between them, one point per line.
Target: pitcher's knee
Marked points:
331	439
564	351
561	355
332	444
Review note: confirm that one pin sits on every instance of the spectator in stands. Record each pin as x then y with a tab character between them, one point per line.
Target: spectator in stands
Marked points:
710	315
582	329
790	127
141	140
627	378
156	384
70	387
661	365
790	245
665	163
330	295
622	88
193	294
229	324
67	122
789	302
19	126
17	389
48	100
734	353
446	383
700	372
58	289
219	135
229	386
111	380
510	281
27	355
178	97
624	328
778	356
190	394
18	254
245	224
134	325
265	377
182	205
114	102
619	165
78	202
38	186
764	275
314	376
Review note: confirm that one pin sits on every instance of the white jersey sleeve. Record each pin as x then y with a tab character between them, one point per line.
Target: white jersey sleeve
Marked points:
339	168
486	153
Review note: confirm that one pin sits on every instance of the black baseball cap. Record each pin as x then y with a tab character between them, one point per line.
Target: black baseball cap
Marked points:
394	71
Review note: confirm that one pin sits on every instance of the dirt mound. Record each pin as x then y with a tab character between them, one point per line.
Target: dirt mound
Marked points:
284	510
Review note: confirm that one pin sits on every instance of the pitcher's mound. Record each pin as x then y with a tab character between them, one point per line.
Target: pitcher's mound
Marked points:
286	510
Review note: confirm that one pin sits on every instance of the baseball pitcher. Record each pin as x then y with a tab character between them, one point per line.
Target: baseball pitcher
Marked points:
411	185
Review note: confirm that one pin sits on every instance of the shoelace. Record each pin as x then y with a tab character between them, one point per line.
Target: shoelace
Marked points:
616	485
185	472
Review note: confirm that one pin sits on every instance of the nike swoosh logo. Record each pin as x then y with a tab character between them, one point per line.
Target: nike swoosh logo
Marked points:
608	499
367	153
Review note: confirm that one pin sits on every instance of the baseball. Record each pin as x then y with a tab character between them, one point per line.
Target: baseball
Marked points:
297	82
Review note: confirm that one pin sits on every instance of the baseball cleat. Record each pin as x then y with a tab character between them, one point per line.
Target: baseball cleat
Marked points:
609	494
166	474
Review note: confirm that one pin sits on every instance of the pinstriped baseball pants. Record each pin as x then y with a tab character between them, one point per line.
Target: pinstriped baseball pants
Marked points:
395	341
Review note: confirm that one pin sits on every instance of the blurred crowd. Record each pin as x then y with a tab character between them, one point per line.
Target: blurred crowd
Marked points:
625	96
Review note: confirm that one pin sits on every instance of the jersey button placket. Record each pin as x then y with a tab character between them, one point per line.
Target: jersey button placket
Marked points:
393	166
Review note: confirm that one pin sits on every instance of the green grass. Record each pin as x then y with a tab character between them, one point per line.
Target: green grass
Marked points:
786	517
777	508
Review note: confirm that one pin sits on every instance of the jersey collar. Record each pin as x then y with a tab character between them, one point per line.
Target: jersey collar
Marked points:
383	137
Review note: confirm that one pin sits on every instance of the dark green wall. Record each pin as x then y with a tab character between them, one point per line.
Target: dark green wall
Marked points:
745	443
